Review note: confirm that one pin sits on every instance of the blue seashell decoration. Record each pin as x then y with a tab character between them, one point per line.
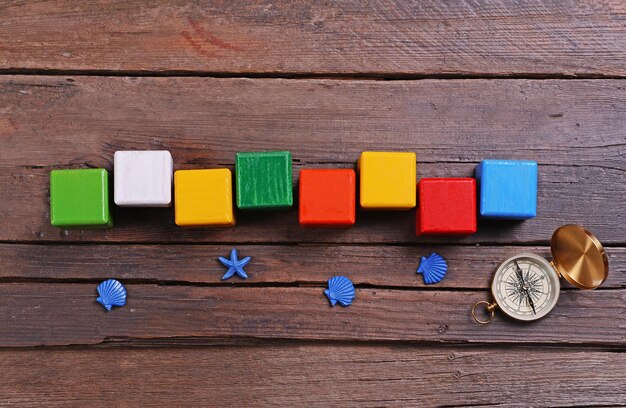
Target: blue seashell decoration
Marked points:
340	290
112	293
433	268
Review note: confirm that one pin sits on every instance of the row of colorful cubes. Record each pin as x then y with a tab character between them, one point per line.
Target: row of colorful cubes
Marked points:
506	189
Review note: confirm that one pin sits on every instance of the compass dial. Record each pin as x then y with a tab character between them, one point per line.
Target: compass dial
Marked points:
526	287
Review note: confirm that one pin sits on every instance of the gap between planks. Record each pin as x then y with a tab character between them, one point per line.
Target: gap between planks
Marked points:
364	76
192	343
251	285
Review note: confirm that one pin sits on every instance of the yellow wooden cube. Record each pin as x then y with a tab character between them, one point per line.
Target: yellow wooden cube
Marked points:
387	180
203	198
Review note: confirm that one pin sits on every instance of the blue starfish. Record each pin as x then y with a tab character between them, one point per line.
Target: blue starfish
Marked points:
234	265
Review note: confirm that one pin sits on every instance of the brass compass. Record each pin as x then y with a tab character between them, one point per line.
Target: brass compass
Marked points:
526	286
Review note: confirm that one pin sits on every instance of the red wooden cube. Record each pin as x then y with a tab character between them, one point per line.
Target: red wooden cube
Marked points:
327	198
446	206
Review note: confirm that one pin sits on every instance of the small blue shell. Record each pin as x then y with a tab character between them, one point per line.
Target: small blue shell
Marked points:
433	268
112	293
340	290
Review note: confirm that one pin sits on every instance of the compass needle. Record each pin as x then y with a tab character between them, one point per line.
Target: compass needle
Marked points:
531	303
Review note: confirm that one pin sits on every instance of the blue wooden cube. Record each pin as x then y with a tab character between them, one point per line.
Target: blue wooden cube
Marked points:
508	189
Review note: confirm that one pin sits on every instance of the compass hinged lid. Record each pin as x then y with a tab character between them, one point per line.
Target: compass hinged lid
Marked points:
579	257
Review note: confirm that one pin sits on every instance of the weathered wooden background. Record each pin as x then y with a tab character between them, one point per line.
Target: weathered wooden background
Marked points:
453	81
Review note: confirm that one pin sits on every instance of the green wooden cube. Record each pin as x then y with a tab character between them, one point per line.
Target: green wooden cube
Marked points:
80	198
263	180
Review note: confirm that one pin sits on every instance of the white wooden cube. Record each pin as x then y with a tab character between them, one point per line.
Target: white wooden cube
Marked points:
143	178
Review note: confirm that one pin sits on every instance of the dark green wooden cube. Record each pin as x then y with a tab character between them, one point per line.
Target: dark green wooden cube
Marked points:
80	198
264	180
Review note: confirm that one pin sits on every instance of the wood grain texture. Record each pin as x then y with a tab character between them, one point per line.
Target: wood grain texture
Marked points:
274	340
387	266
574	129
40	314
538	37
333	375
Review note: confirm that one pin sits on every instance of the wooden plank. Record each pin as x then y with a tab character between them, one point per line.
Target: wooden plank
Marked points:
383	266
574	129
324	375
62	314
372	38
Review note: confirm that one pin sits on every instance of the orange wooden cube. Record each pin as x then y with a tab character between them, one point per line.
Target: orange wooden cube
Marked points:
327	198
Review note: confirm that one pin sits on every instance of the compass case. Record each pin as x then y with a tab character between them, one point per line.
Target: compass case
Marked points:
579	257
